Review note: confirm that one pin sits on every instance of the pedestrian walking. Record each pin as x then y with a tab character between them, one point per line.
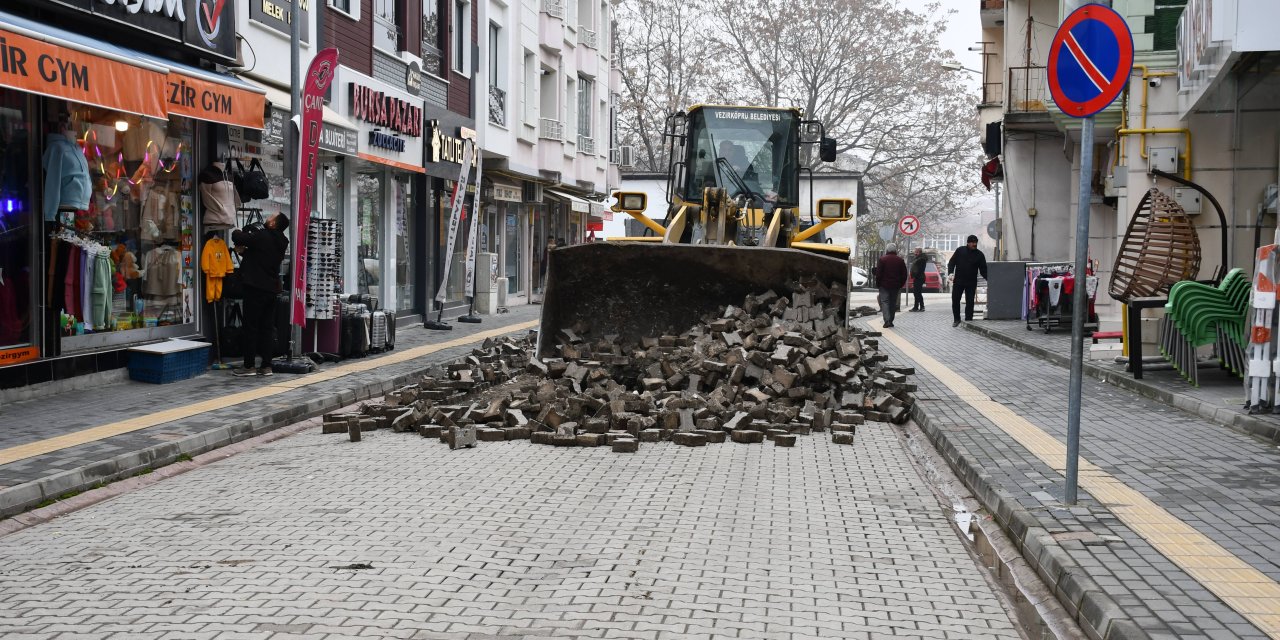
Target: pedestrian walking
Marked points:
918	264
891	276
965	265
264	247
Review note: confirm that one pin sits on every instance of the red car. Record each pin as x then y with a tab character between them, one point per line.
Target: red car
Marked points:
932	279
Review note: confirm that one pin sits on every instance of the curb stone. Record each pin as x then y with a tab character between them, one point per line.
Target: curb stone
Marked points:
19	498
1098	615
1233	420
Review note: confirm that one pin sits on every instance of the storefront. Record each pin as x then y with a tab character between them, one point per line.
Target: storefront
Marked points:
99	211
384	196
507	224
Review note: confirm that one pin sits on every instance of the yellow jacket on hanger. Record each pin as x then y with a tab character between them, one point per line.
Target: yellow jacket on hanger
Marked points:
215	261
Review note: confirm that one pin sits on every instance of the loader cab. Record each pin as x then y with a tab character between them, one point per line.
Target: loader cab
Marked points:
752	152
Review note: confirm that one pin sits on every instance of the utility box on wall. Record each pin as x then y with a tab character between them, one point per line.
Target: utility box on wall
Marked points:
1163	159
1188	198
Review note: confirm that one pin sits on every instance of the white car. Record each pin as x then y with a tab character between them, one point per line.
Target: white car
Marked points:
858	277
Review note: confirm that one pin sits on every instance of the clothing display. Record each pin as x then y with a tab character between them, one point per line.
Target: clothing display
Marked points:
1048	294
82	285
219	196
215	261
324	268
162	270
15	282
66	176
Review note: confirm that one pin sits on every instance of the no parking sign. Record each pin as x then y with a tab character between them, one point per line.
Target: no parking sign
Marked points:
1089	60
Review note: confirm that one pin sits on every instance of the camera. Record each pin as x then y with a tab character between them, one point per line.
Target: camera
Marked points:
1153	82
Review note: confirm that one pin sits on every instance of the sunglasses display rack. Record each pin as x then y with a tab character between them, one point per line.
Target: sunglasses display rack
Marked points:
324	268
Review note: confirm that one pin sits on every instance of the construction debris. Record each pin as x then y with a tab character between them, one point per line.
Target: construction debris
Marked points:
778	366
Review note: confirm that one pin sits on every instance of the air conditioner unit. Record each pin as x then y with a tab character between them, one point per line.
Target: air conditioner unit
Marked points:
531	191
628	157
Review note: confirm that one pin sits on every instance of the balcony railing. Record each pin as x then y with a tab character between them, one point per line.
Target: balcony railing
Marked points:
554	8
588	37
549	129
992	93
615	155
498	106
586	144
1028	90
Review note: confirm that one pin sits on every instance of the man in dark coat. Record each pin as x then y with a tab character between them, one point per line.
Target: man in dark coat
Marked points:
918	263
965	265
891	276
264	248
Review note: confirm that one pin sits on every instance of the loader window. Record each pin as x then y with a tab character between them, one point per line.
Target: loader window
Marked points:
760	145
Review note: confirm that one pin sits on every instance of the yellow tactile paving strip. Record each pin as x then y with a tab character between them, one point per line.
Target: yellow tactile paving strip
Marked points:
14	454
1245	589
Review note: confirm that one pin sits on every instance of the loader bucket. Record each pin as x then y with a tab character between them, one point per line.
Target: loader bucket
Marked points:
636	290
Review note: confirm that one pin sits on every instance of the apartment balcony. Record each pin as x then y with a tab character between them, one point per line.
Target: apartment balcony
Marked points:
587	145
1028	102
551	28
991	13
992	94
497	106
553	8
588	37
549	129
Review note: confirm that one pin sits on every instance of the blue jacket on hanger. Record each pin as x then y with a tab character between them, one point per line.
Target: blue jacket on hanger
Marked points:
66	176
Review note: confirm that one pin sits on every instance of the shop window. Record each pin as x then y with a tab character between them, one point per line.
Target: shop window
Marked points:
124	260
18	224
406	231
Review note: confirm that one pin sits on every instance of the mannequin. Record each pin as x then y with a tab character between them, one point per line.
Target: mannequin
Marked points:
67	187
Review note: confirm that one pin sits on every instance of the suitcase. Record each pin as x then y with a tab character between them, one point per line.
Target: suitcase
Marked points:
378	331
369	300
352	335
283	330
391	330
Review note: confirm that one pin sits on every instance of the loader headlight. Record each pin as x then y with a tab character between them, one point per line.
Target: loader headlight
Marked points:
631	201
833	209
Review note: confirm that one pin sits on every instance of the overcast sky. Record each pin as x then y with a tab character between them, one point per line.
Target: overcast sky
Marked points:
964	30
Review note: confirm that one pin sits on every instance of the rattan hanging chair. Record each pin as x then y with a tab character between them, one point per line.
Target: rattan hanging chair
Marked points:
1160	248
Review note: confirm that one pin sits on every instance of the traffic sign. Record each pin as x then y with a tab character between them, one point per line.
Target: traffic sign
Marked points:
1089	60
993	229
909	225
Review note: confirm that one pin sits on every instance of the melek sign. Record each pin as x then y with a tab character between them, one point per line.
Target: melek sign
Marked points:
380	109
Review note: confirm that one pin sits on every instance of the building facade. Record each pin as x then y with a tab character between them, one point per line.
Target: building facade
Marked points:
551	81
106	122
1202	104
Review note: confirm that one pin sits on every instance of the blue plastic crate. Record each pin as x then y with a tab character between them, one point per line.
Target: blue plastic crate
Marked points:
167	362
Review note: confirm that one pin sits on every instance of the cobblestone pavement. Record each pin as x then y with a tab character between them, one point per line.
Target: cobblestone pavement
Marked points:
313	537
1223	484
67	414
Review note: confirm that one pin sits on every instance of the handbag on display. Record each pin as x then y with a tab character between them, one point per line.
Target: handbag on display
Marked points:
230	339
251	183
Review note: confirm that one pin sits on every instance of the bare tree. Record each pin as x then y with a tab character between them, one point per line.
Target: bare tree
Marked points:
666	66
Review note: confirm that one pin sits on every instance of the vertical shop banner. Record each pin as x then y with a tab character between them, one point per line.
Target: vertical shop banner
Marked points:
475	233
314	86
455	217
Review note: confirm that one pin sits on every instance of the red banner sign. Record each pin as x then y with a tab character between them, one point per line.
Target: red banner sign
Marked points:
315	83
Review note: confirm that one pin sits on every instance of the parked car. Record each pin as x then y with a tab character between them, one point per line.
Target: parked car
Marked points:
858	277
933	280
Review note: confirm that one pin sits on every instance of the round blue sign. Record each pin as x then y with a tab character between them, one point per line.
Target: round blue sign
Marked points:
1089	60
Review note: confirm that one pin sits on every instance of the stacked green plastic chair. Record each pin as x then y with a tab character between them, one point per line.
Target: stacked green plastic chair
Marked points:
1200	314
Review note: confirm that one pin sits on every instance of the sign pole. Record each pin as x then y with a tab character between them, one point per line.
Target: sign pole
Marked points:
1079	309
292	151
1090	60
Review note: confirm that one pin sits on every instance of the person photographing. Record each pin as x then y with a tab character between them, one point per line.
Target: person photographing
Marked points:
263	248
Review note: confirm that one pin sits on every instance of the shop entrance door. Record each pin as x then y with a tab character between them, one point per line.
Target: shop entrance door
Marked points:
513	267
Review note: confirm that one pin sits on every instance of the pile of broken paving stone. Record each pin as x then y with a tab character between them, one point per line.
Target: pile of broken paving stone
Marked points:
776	367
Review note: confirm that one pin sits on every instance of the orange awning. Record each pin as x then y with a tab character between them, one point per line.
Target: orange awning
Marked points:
50	61
43	67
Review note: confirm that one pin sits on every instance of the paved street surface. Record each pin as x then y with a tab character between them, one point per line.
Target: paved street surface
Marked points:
397	537
1213	494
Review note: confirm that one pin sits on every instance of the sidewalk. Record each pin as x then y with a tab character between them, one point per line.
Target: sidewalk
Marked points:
1219	398
67	443
1178	520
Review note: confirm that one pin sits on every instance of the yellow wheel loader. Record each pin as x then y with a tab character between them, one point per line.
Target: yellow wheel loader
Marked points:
734	225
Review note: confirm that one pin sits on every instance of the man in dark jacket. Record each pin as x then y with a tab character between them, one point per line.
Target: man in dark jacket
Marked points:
918	263
966	263
891	276
263	251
